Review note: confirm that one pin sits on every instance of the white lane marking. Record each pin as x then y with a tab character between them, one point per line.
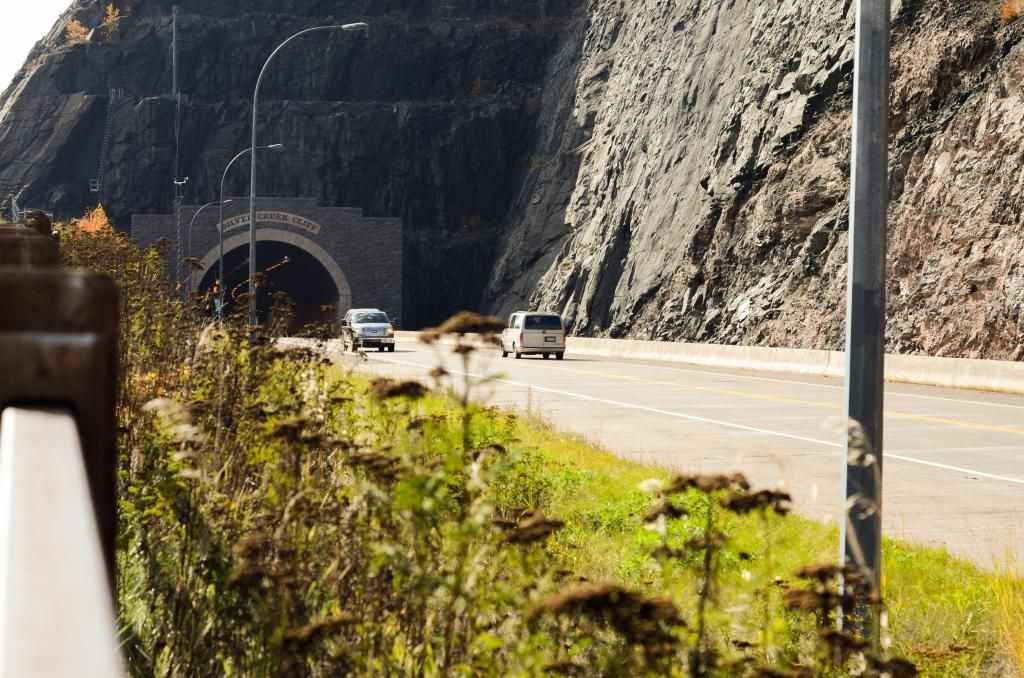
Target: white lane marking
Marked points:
705	420
733	373
779	380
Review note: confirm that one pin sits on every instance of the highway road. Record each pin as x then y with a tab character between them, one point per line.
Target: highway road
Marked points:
954	460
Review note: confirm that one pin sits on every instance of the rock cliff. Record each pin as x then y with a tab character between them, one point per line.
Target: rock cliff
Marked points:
652	168
693	183
425	117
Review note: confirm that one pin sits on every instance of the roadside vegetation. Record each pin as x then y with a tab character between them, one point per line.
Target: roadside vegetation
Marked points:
282	515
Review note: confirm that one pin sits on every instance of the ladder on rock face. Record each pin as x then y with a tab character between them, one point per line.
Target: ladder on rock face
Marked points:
95	185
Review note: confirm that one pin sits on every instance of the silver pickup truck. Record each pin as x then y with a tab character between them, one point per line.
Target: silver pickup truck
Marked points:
367	328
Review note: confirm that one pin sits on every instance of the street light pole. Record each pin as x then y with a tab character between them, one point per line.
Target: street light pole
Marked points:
188	249
254	147
861	528
220	226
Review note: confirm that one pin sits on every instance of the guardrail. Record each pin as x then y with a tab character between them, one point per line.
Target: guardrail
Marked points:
58	357
56	610
983	375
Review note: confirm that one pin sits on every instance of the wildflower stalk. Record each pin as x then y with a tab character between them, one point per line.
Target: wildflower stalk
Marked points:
699	659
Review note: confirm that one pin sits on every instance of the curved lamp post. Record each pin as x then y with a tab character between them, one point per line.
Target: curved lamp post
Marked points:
220	226
192	223
252	179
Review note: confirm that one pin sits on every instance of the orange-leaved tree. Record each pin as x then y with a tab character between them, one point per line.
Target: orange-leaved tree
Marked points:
95	220
1009	10
75	32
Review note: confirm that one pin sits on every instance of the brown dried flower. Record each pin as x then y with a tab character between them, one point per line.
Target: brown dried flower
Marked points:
467	322
463	349
299	638
664	508
384	389
290	428
383	466
829	572
795	672
708	483
253	545
429	336
895	667
640	619
532	526
842	644
815	601
742	503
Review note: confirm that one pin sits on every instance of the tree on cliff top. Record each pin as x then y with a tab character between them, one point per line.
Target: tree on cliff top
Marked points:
110	20
75	32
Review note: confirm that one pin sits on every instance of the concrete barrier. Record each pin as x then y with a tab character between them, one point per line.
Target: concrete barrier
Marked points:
965	373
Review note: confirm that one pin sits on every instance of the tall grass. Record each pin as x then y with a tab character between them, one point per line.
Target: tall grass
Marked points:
1009	603
280	515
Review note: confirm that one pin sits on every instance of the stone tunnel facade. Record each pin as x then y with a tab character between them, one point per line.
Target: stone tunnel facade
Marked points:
361	255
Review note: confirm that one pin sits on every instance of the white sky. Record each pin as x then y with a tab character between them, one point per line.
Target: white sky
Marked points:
22	23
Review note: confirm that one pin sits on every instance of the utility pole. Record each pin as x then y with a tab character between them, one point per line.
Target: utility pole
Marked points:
179	184
861	530
174	50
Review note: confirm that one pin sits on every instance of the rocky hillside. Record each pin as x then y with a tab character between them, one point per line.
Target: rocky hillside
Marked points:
695	184
427	117
651	168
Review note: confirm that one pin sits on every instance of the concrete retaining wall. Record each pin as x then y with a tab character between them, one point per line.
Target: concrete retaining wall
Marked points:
984	375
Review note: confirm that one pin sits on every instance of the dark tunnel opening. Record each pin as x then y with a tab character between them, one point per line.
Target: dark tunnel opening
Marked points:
285	268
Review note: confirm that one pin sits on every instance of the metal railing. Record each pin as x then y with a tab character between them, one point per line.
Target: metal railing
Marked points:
58	358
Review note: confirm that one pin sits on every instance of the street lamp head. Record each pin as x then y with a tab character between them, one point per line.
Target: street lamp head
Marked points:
225	202
354	27
275	147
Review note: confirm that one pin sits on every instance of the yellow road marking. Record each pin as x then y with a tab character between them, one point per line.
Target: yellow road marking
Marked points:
791	401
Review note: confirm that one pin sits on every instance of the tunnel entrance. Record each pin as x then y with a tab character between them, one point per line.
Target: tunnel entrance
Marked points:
285	268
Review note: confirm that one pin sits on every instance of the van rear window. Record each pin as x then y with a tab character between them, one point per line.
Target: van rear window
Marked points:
543	322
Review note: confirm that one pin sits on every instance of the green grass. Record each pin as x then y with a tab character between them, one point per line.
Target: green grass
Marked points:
943	613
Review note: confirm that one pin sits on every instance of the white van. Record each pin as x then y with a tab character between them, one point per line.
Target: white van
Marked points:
531	333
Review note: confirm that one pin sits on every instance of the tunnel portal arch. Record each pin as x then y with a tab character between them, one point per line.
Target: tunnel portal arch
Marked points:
279	235
329	249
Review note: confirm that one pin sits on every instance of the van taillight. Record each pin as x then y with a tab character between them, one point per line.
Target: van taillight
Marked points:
520	337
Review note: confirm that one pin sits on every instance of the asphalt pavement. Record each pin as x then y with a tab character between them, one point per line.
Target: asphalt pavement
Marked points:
954	460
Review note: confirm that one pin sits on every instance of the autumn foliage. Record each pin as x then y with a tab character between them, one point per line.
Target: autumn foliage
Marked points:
1009	10
75	32
95	221
110	20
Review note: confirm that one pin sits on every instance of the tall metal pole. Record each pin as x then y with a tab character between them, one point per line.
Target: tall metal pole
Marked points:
220	227
861	531
179	183
254	147
188	249
174	50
